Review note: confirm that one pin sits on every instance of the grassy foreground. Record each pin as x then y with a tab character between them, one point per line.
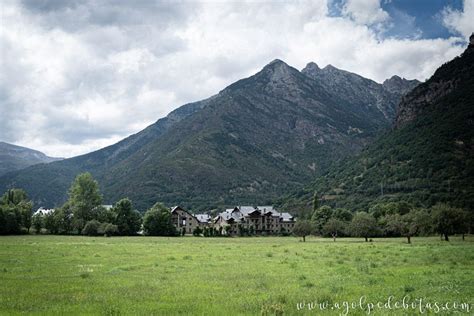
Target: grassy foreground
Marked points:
228	276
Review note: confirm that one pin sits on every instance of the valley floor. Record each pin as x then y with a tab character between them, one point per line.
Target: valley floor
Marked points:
231	276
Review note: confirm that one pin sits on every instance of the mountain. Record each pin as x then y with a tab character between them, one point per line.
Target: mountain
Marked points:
14	157
427	157
255	140
365	94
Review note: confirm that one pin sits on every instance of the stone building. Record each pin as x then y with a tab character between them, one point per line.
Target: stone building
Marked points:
183	220
240	220
260	220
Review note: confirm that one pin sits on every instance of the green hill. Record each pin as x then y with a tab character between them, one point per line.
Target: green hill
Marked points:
427	157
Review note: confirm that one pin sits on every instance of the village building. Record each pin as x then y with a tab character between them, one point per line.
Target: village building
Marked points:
240	220
260	220
205	220
183	220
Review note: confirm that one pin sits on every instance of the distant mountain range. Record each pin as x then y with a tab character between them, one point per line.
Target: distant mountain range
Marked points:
14	157
427	157
254	141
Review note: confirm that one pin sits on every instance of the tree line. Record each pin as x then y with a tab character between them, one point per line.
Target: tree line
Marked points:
83	213
392	219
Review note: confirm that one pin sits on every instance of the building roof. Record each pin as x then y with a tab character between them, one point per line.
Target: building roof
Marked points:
43	211
203	218
238	213
286	217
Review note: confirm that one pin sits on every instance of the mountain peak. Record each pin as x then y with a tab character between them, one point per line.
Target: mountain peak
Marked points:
330	67
311	68
399	85
276	62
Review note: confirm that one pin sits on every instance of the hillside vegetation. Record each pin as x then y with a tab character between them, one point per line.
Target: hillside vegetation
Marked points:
428	156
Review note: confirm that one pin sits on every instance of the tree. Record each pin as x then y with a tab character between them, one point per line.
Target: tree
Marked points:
342	214
91	228
447	220
303	228
51	223
227	229
465	223
127	219
334	227
84	198
321	216
416	222
363	225
15	212
63	218
108	229
410	224
157	222
315	202
37	221
381	209
197	231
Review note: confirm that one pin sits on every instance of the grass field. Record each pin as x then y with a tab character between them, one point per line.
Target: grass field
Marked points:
228	276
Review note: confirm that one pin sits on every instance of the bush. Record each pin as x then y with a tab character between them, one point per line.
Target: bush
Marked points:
91	228
197	231
108	229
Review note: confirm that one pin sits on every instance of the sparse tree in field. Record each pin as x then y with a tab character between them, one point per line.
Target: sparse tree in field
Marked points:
414	223
320	217
465	223
447	220
334	227
303	228
84	198
126	218
157	222
363	225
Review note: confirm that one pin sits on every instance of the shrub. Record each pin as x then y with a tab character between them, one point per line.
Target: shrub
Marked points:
91	228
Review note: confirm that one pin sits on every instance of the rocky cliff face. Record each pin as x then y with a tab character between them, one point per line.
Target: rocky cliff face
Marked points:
428	95
379	99
399	85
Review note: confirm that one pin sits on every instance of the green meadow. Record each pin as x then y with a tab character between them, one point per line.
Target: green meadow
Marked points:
232	276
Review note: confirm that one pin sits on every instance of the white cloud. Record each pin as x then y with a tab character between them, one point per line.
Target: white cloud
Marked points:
77	76
460	21
366	12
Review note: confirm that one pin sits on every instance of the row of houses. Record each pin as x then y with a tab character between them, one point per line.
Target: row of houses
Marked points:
260	220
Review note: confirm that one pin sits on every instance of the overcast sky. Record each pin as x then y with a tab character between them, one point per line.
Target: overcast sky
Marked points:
76	76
